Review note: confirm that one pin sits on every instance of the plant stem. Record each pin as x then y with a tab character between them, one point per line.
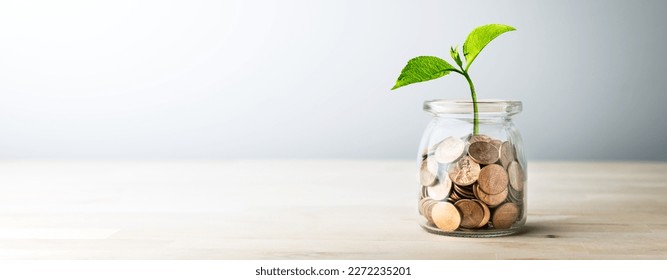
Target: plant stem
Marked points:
475	129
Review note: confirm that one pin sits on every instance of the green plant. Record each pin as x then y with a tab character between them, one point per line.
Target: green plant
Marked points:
425	68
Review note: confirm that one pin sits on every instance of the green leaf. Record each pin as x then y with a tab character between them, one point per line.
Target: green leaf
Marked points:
454	52
479	38
421	69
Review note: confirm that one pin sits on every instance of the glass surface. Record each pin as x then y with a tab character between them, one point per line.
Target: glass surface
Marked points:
485	182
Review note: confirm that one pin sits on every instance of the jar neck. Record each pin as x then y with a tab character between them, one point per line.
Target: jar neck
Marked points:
488	110
470	117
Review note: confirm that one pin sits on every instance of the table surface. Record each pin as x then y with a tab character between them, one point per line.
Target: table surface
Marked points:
319	209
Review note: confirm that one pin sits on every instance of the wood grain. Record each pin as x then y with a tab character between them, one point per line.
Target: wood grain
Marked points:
312	210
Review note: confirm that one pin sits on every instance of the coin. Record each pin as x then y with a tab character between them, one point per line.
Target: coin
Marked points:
440	190
423	192
516	176
424	154
507	153
428	209
454	196
505	215
516	196
465	172
426	177
493	179
449	149
464	192
478	137
421	205
487	214
483	152
432	165
491	200
496	143
464	196
472	213
425	207
446	216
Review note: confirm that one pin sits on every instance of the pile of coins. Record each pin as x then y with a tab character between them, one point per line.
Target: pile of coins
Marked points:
481	185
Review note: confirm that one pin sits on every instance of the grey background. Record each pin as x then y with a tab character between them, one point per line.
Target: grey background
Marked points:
311	79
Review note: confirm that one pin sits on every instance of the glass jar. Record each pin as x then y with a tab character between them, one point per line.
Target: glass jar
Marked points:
472	184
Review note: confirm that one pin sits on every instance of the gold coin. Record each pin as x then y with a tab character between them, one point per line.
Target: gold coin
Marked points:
491	200
516	176
449	149
440	190
483	152
487	214
426	177
472	213
507	153
505	215
493	179
464	172
445	216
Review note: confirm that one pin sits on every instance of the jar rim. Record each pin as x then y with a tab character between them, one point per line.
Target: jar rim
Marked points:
484	106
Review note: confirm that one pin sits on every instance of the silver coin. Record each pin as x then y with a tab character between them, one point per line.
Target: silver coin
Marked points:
423	192
516	175
440	190
516	196
426	177
432	165
424	154
450	149
421	204
507	154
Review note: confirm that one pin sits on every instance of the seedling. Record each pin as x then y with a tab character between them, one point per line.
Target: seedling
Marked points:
426	68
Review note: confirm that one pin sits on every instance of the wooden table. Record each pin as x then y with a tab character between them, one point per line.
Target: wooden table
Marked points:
329	209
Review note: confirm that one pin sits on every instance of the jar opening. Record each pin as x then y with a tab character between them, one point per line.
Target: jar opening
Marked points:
486	107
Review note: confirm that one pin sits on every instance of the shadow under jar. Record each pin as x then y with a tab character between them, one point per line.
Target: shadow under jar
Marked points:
472	185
